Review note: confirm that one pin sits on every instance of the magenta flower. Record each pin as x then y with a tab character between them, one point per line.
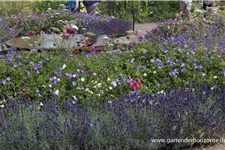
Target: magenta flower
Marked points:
65	36
70	30
31	32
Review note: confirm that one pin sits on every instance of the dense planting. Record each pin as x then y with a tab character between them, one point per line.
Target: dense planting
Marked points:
129	122
169	84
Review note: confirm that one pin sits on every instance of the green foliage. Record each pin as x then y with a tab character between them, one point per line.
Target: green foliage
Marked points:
145	11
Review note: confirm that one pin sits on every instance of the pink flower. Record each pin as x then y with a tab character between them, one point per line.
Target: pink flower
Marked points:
70	30
65	36
30	32
135	85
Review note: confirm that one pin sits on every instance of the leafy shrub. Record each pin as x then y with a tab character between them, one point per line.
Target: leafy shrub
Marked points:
8	8
145	11
128	122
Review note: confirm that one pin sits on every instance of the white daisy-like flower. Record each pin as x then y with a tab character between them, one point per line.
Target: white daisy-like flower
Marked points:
215	77
54	77
145	74
82	79
50	85
56	92
114	83
78	70
154	72
110	88
2	106
94	74
58	79
99	85
64	66
108	79
203	74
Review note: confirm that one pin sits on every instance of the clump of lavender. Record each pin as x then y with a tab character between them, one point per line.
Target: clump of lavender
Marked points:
7	32
129	122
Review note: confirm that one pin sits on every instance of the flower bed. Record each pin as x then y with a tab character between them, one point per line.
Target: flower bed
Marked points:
123	123
118	99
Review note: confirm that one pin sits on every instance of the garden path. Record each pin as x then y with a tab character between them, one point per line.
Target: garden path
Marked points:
144	27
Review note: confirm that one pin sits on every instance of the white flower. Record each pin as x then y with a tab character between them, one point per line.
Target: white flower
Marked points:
74	75
109	102
75	27
78	70
110	88
94	74
43	86
99	85
58	79
215	77
41	104
64	66
203	74
162	92
54	78
154	72
108	79
114	83
2	106
57	92
104	37
50	85
212	88
25	38
145	74
82	79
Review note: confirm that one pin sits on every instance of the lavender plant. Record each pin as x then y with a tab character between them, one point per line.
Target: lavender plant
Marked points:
7	32
128	122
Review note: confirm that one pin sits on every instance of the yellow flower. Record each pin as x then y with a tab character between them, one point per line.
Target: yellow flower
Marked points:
37	10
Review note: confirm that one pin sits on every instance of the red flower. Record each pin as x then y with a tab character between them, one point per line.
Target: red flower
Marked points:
96	48
43	29
31	32
77	51
65	36
28	95
70	30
